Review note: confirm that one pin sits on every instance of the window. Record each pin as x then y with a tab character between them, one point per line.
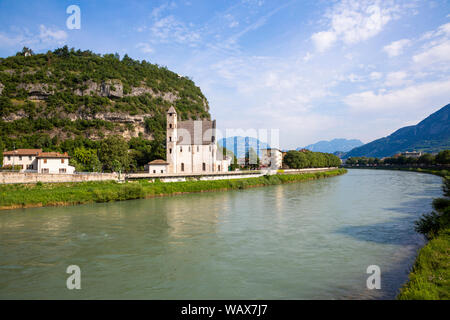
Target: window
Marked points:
62	170
62	160
44	170
170	139
189	149
154	171
181	149
162	171
29	158
209	148
204	166
182	166
9	157
170	126
170	150
219	167
198	149
45	160
30	167
20	158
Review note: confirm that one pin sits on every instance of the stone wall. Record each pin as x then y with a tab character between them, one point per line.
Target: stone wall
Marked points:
28	177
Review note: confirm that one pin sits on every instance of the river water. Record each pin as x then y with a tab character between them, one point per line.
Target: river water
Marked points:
311	240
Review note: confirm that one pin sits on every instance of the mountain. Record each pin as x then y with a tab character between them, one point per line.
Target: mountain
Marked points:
334	145
430	135
66	99
229	144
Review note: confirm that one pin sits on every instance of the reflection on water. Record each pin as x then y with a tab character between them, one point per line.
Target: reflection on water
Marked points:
297	241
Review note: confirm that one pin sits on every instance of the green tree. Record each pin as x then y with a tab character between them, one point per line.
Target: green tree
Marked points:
113	153
443	157
86	160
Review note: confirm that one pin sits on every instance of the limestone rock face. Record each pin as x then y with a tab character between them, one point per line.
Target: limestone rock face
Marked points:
37	91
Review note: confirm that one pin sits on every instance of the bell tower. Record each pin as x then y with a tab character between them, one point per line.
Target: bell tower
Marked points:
171	144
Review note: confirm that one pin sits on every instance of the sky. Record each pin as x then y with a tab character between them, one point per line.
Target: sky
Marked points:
313	70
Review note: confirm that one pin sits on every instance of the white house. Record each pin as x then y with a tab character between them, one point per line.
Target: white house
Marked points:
157	166
191	146
271	157
34	160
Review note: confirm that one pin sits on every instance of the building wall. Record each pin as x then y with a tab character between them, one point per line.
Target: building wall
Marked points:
53	165
33	177
157	168
272	158
23	161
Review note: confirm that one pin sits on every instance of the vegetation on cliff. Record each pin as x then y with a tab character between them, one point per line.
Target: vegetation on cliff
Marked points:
70	99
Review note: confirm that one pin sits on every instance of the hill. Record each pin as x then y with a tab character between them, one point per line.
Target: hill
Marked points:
67	99
335	145
430	135
229	144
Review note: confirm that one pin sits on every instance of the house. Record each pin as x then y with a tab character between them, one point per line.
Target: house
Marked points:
191	146
34	160
157	166
272	158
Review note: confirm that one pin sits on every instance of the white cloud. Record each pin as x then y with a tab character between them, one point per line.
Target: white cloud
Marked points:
170	29
396	48
52	35
396	79
375	75
436	54
355	21
145	47
323	40
307	57
409	99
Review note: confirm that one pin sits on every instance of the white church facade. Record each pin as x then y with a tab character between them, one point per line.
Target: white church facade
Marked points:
191	147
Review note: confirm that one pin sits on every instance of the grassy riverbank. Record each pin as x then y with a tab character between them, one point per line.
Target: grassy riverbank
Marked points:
430	276
58	194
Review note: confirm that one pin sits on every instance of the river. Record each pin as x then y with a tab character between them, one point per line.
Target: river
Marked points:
310	240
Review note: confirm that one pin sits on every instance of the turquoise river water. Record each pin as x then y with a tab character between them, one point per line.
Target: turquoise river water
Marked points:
311	240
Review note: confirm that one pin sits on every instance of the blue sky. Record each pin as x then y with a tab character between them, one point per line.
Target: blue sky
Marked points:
312	69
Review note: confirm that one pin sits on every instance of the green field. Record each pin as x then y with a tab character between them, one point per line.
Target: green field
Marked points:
40	195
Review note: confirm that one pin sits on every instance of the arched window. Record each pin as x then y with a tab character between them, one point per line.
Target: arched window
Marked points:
170	139
170	126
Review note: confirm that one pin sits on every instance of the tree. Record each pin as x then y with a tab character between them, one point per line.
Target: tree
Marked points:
86	160
426	159
1	152
113	153
443	157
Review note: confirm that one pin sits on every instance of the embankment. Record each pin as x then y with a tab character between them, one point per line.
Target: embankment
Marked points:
39	195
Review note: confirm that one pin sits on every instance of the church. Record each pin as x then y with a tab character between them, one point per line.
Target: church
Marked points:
190	148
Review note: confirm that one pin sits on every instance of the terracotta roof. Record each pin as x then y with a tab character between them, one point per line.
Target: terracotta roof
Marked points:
158	161
196	132
53	155
23	152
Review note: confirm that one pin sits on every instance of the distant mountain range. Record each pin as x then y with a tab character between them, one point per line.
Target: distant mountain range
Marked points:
252	143
335	145
430	135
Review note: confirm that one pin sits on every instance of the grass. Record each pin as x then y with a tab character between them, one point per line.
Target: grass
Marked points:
57	194
430	275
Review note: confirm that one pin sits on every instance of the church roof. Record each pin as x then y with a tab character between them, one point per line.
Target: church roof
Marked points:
172	110
196	132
